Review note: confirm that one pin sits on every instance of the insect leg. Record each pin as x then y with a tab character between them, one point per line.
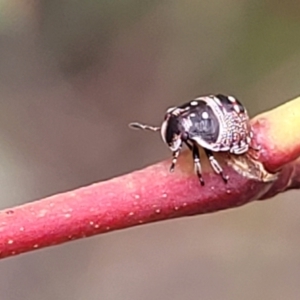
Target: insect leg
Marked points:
136	125
174	160
215	165
189	145
197	165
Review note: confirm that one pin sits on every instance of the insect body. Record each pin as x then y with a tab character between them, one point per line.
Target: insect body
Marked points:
216	123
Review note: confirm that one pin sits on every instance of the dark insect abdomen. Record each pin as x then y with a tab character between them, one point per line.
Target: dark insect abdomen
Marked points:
229	105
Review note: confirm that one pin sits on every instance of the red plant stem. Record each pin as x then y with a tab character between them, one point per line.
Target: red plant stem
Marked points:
278	132
141	197
149	195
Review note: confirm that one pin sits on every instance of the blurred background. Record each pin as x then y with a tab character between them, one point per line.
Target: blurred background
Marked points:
73	74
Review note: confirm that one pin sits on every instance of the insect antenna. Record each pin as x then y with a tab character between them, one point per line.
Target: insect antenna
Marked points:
136	125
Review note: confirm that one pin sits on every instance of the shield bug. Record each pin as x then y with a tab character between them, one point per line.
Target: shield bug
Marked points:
217	123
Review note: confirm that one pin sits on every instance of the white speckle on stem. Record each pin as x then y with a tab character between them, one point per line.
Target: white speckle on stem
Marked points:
42	213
